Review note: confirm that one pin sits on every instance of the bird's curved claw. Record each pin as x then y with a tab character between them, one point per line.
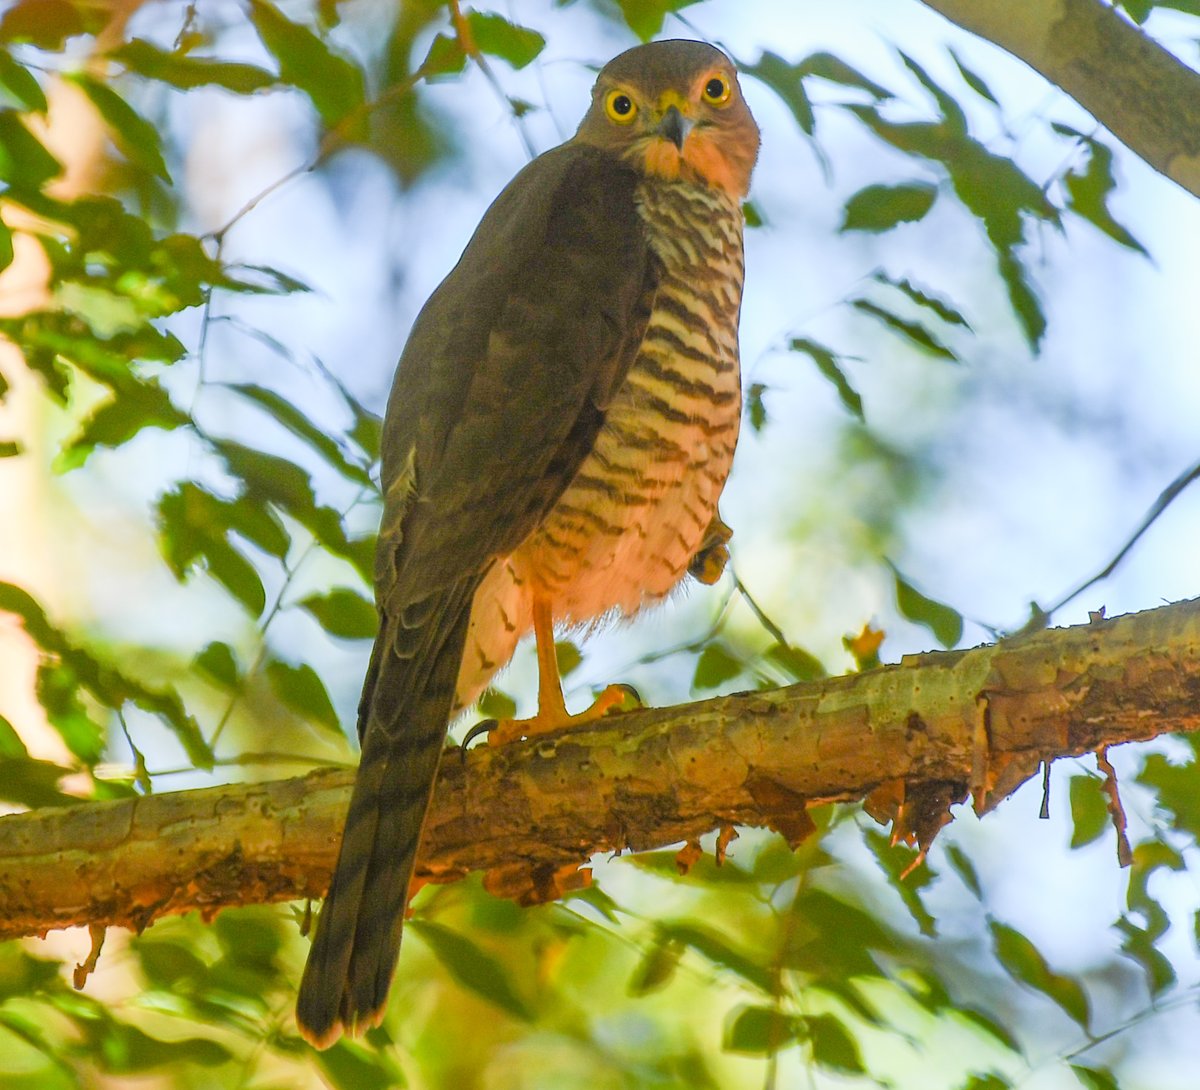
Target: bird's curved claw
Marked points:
484	726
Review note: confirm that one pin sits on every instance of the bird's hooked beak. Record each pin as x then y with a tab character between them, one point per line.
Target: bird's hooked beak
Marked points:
674	124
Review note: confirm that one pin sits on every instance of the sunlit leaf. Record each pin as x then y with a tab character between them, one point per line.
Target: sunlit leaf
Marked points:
914	332
1095	1078
343	613
194	531
25	781
497	37
114	422
760	1031
183	71
217	662
301	689
58	693
44	23
881	207
944	622
716	665
949	314
787	81
24	162
21	83
1089	810
472	967
333	83
303	428
657	967
645	17
716	949
973	80
137	138
830	366
1025	963
894	860
832	1045
1088	192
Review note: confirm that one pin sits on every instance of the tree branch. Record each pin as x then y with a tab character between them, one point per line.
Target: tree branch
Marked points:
1146	97
930	728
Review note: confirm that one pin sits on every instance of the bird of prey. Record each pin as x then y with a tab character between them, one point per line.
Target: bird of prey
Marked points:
560	428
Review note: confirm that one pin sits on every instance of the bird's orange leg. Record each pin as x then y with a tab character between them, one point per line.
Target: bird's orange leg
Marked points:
552	712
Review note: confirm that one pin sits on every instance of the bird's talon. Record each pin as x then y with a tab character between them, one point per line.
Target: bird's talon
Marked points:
484	726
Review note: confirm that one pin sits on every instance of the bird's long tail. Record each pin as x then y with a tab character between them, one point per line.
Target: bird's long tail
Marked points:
405	707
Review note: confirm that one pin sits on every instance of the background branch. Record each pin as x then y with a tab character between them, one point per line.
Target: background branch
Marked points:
529	814
1141	93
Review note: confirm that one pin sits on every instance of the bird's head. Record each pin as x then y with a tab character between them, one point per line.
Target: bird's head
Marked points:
675	110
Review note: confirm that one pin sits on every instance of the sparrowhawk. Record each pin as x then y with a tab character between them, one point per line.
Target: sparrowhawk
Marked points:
561	425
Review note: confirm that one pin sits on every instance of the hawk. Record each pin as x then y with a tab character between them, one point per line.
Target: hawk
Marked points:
561	426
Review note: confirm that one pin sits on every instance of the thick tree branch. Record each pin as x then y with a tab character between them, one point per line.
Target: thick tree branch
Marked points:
1143	95
934	726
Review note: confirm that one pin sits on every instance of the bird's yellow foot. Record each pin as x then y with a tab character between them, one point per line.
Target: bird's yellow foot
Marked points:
500	732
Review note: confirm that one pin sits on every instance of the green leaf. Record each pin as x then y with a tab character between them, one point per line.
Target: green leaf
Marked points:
1095	1078
989	1025
218	664
473	968
497	37
759	1031
1089	810
797	662
952	112
301	689
881	207
949	314
303	428
645	17
193	528
1139	946
657	967
716	949
973	80
343	613
829	364
832	1045
894	860
24	162
965	869
567	656
21	83
32	783
495	704
114	422
1088	192
351	1066
333	84
445	58
945	623
756	408
914	332
137	138
716	665
11	745
58	693
269	478
10	448
46	24
1025	964
185	72
787	81
989	1081
826	66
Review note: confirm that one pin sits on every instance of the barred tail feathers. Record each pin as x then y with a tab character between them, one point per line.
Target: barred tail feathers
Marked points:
403	717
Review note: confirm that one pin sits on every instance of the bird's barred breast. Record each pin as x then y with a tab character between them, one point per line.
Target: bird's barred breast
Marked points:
624	532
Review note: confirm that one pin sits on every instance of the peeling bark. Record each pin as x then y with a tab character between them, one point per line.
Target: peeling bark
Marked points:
1146	97
929	730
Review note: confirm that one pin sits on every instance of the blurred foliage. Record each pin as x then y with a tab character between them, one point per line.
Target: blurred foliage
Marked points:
832	958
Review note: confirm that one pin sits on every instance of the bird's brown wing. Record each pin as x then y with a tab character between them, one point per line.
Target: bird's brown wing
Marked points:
498	398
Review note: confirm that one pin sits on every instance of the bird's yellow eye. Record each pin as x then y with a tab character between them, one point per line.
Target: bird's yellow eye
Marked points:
619	107
717	91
